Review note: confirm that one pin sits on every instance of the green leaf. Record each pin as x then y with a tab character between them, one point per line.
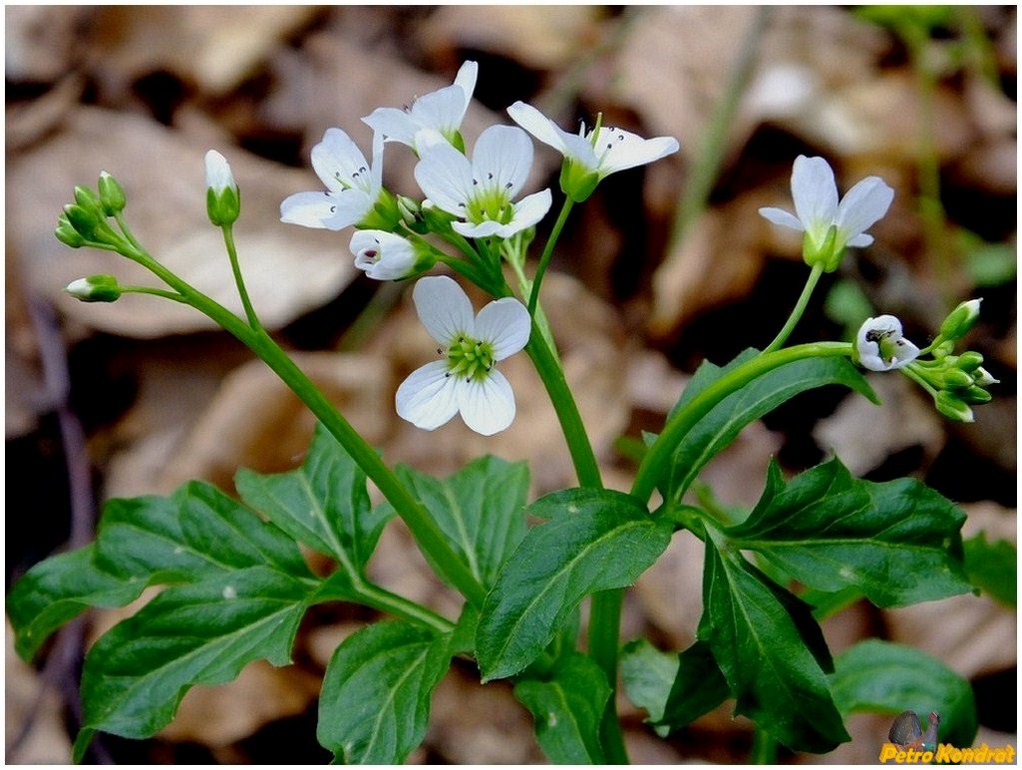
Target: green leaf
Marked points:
887	678
770	651
722	424
204	633
324	504
596	540
674	688
56	591
198	531
374	707
480	510
993	567
898	542
567	708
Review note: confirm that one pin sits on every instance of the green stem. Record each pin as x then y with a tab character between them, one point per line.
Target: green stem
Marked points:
800	308
425	532
232	254
381	599
548	251
651	469
910	372
764	749
154	292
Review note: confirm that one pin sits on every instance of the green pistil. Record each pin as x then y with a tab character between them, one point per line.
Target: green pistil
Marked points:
490	205
470	359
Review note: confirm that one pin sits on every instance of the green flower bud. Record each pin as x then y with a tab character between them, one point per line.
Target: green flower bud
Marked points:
960	320
111	195
84	222
95	288
943	350
956	379
952	407
88	200
969	361
223	199
982	378
66	233
975	395
409	209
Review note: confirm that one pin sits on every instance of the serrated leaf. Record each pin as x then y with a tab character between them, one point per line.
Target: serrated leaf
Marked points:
324	504
993	567
196	532
203	633
722	424
898	542
567	708
674	688
888	678
480	510
56	591
374	707
767	652
596	540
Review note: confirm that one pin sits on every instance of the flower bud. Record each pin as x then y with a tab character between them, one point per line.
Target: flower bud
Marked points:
95	288
84	222
111	195
974	395
953	407
982	377
956	379
960	320
87	199
969	361
223	199
66	233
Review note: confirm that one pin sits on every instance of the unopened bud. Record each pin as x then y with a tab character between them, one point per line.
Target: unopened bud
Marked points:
88	200
953	407
956	379
84	222
969	361
223	199
960	320
111	195
66	233
95	288
983	378
974	395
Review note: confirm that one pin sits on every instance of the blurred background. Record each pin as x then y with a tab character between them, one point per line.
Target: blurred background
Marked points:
663	267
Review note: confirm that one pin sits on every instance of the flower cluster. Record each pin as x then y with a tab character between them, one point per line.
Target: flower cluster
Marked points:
474	203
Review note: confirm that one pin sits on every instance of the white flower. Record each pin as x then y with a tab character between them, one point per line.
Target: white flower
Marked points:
814	192
466	380
383	256
440	112
480	191
354	187
881	346
596	154
218	173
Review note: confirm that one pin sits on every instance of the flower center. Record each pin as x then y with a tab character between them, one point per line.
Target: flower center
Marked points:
469	358
490	202
888	342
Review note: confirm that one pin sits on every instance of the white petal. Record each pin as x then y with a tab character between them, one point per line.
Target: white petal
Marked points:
445	176
527	212
218	172
466	79
860	241
580	150
339	163
867	344
309	209
862	206
428	397
815	194
538	124
442	110
502	158
350	207
381	255
443	308
780	217
482	230
393	125
619	150
487	406
506	325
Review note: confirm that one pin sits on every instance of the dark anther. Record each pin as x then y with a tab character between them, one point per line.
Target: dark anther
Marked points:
489	175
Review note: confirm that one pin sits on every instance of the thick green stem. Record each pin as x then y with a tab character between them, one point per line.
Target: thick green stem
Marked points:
800	308
425	532
764	749
232	254
548	251
653	464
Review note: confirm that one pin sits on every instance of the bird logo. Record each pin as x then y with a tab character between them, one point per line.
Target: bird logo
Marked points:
907	732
